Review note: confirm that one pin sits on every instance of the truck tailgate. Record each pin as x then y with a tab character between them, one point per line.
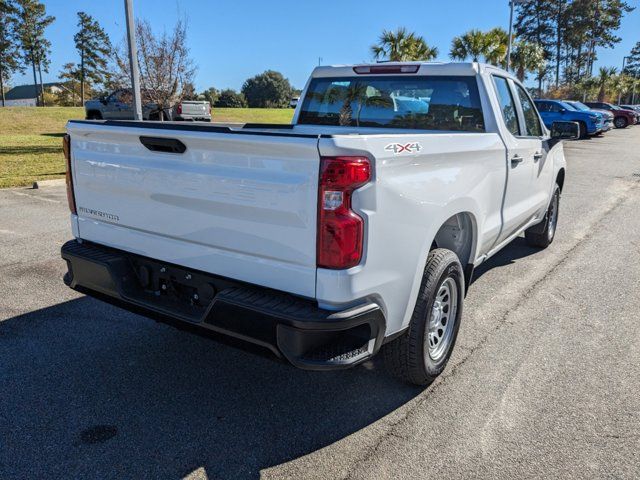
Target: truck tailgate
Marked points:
238	204
195	108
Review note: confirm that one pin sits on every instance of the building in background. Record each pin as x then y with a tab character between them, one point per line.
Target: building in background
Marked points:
27	95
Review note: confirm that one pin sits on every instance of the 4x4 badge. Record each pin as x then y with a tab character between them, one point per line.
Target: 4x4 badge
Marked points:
400	148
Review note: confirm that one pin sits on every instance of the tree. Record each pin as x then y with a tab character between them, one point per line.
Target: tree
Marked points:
497	40
267	90
534	24
475	44
165	65
72	90
605	21
211	95
570	31
94	48
231	99
9	45
33	21
471	45
621	85
633	63
527	57
605	75
403	46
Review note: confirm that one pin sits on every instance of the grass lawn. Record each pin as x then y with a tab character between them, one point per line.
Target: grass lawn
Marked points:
31	138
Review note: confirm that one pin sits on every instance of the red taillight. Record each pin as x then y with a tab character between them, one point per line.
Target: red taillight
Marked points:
66	148
340	229
179	109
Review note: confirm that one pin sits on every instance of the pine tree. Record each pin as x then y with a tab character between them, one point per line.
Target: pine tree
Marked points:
94	48
534	24
33	21
9	44
633	63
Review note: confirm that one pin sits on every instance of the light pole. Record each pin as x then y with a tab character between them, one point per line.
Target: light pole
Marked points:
512	3
133	60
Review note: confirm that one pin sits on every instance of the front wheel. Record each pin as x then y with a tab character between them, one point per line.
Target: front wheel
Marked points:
542	235
422	353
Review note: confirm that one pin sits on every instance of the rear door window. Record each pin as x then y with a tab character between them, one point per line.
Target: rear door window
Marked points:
531	119
418	102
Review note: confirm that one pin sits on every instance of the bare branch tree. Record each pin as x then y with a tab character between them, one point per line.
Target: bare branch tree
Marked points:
166	69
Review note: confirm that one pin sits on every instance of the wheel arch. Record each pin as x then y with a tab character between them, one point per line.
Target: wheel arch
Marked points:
459	233
560	178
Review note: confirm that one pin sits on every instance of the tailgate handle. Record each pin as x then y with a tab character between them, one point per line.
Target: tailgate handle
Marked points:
167	145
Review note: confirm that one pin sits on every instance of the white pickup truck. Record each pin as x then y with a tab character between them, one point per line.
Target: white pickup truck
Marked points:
355	229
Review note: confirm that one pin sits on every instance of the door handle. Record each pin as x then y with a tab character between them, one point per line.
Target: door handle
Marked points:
537	156
516	159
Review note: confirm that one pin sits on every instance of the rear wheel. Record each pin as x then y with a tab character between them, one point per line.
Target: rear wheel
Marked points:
542	235
620	122
422	353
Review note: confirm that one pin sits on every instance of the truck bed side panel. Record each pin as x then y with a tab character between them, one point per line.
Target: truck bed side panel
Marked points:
412	196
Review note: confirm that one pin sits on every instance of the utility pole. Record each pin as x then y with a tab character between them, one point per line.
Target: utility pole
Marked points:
133	60
512	3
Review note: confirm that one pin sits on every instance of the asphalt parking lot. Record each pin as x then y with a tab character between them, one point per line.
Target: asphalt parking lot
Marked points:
544	381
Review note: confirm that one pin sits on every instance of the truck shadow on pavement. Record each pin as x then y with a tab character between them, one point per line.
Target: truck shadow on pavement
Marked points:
513	252
91	391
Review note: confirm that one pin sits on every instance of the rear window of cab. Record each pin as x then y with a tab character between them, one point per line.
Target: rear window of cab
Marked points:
450	103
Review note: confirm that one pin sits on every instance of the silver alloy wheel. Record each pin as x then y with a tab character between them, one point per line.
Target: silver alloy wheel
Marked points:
620	122
553	216
442	320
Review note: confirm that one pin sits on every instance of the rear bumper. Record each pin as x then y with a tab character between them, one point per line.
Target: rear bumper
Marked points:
291	327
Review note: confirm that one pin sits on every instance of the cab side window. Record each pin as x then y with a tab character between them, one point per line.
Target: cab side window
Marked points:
530	114
507	105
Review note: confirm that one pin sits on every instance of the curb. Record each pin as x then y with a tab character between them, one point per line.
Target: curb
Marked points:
49	183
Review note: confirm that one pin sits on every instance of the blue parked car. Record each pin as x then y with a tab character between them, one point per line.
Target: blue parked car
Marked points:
591	123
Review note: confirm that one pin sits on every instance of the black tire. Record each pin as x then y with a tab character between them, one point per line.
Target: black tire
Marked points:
94	115
408	357
542	235
620	122
582	129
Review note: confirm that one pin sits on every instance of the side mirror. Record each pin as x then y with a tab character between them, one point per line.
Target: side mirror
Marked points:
564	131
563	110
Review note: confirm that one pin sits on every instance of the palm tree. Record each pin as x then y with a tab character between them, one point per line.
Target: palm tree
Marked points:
604	79
621	85
472	44
496	46
527	57
587	86
403	46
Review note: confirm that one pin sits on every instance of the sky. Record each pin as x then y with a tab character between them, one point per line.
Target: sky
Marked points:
231	41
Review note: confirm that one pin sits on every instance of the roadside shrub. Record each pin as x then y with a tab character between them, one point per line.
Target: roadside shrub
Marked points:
267	90
230	99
